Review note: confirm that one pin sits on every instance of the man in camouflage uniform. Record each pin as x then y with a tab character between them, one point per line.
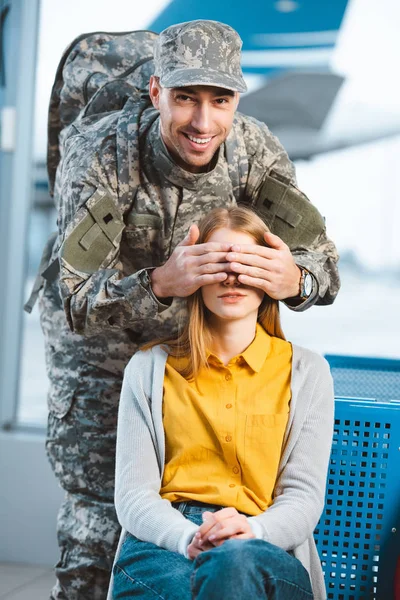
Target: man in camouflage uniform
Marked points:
124	268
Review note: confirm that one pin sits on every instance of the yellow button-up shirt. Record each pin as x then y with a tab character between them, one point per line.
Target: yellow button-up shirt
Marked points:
224	432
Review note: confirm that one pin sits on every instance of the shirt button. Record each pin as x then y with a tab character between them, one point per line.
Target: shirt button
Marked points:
228	406
235	470
228	377
231	485
228	438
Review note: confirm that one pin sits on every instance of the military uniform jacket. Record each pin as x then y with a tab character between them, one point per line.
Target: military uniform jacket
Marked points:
108	240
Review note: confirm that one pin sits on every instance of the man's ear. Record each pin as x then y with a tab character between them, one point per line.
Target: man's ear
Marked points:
154	91
237	98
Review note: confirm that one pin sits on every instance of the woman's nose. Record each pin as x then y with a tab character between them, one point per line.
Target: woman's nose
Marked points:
232	279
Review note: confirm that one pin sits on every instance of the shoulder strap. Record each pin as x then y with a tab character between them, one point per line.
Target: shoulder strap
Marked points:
128	148
238	163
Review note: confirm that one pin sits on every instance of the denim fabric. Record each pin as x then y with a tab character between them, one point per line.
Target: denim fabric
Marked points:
237	570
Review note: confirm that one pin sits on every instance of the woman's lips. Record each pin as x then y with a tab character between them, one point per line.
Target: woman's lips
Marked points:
231	298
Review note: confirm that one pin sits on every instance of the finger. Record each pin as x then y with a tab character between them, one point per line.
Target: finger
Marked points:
208	522
256	282
212	268
226	512
205	528
250	258
207	515
202	544
208	247
201	280
253	272
253	260
227	519
210	257
215	519
191	237
212	530
252	249
274	241
269	288
227	531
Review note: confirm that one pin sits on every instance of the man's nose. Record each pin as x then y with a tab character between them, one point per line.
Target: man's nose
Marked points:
231	280
201	118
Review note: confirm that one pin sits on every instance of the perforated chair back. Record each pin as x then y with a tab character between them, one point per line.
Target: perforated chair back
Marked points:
364	377
358	534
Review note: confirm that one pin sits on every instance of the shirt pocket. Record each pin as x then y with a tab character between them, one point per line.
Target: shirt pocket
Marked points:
263	438
141	242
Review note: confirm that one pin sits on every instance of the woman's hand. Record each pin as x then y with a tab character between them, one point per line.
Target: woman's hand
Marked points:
222	525
196	546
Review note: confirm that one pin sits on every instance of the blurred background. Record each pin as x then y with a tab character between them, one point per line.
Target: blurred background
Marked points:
323	76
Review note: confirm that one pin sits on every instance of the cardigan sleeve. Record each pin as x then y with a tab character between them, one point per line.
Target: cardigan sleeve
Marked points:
300	488
140	508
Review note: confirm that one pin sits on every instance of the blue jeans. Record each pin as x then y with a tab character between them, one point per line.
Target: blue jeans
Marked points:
236	570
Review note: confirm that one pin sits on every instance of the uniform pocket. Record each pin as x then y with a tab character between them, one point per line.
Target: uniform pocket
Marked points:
61	397
82	433
95	412
140	248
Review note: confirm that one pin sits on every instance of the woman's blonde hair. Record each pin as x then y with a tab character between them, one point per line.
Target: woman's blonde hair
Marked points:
196	336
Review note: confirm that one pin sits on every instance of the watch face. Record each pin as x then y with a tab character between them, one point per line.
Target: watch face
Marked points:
308	284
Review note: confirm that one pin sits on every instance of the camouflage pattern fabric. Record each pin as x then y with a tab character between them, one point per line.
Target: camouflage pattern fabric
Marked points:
93	66
81	448
94	322
199	52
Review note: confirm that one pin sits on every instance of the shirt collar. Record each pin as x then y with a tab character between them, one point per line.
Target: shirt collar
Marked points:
256	354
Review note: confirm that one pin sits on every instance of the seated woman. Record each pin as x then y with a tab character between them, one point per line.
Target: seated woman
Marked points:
224	436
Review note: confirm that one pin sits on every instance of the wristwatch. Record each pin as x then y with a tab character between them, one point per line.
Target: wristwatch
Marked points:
306	283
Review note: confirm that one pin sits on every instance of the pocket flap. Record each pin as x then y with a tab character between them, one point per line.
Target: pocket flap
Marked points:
60	398
143	220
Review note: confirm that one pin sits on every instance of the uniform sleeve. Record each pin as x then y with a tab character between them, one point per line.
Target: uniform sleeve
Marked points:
300	488
95	293
321	256
321	260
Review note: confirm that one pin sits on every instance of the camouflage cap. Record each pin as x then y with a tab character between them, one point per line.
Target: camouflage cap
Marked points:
199	53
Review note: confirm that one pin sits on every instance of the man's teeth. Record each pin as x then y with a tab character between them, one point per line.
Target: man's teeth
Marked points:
199	140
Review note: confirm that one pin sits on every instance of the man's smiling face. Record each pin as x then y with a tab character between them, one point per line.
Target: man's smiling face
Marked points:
195	121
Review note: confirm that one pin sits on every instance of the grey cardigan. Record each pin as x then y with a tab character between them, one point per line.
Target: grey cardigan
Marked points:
300	486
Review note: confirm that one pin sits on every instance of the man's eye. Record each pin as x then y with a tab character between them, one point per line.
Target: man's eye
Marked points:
184	98
222	100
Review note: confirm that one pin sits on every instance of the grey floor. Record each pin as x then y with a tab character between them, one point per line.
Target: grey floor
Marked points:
25	582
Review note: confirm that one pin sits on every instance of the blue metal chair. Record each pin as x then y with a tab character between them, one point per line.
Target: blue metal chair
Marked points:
364	377
358	536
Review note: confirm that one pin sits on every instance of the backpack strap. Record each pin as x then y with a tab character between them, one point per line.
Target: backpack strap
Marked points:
238	163
128	148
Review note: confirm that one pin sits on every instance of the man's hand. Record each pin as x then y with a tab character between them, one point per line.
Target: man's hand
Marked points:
223	525
190	266
271	269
